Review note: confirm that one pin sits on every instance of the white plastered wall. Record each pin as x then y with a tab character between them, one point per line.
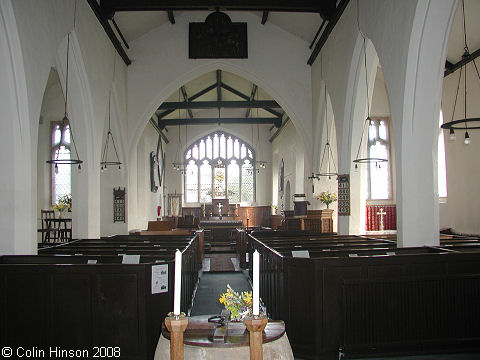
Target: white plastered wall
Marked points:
410	40
289	147
34	40
460	211
276	63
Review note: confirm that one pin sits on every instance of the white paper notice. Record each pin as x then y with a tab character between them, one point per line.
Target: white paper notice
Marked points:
159	278
92	261
131	259
300	254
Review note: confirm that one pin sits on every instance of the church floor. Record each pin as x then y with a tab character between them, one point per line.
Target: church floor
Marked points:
211	286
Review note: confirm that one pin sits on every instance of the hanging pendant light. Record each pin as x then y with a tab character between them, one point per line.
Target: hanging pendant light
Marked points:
465	123
66	121
177	164
259	164
330	168
367	124
105	162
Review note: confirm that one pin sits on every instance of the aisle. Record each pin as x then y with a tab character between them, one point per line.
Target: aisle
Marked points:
211	286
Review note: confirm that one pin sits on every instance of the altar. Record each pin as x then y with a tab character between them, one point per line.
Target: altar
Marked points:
199	342
218	231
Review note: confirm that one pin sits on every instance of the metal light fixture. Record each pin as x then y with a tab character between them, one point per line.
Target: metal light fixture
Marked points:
330	166
71	161
105	162
465	123
259	164
177	164
367	124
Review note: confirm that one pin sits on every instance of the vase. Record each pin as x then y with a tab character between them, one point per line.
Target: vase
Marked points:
61	214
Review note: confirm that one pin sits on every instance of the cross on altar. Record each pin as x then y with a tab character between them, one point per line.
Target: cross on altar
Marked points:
382	214
220	209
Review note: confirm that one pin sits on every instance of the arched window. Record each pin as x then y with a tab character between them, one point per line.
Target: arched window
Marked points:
442	167
61	173
218	166
379	187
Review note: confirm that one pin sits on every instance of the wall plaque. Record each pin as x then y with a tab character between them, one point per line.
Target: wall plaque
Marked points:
119	205
344	195
218	38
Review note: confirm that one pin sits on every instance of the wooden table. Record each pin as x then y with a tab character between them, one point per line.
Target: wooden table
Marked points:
199	342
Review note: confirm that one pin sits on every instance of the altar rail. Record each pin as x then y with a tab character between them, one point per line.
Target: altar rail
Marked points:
308	293
61	300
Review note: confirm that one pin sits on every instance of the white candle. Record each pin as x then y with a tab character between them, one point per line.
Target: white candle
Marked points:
178	283
256	283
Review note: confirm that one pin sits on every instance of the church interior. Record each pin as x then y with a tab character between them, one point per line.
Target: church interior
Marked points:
315	153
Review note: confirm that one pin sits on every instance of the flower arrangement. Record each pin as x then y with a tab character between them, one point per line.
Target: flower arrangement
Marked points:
327	197
63	204
275	209
239	304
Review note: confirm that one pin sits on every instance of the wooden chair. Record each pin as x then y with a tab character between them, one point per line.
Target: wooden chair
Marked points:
48	230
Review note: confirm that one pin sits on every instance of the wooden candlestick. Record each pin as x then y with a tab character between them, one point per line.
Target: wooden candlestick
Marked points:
176	325
255	326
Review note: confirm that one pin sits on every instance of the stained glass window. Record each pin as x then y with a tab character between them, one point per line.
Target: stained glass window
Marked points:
219	165
61	175
379	184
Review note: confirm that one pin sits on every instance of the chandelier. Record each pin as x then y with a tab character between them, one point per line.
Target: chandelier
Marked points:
105	162
65	121
330	168
465	123
368	123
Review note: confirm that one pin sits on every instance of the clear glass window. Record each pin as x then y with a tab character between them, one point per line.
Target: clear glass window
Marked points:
379	184
61	176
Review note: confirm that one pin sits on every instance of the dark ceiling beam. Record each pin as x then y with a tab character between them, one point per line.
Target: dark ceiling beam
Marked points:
171	18
252	96
273	112
185	97
235	91
109	31
274	136
191	98
462	62
246	97
264	17
203	121
318	33
219	85
202	92
159	131
120	34
219	104
326	8
328	29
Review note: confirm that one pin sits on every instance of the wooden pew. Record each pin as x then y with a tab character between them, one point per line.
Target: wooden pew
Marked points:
310	295
54	299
